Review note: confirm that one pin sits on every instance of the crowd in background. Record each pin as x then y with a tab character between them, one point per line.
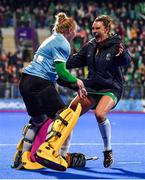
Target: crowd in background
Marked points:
129	22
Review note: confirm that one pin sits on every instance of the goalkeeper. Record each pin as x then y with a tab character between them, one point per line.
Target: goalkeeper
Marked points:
37	87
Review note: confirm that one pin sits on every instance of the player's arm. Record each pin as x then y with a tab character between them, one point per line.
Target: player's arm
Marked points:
63	73
123	56
60	59
65	78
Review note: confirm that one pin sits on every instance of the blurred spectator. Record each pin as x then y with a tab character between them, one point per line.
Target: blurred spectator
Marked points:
129	15
1	41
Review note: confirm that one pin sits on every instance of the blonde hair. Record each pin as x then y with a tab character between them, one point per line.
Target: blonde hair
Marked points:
107	21
63	23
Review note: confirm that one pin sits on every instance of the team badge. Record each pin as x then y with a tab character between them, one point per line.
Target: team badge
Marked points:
108	57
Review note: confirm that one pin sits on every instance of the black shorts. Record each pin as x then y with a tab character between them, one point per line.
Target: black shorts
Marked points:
40	96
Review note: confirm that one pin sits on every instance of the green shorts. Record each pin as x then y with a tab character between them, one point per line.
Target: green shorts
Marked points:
97	95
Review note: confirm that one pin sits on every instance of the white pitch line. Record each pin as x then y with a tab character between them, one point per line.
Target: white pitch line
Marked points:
93	144
128	162
114	144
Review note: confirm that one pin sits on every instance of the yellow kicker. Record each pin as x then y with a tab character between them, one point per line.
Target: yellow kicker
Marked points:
54	160
26	161
48	151
28	164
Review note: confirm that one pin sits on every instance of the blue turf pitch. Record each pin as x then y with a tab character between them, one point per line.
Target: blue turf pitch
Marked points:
128	142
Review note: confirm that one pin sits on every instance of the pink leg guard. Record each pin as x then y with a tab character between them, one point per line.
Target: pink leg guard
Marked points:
40	138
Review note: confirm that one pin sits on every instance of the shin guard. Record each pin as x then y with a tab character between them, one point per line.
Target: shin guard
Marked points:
28	158
22	158
40	138
48	153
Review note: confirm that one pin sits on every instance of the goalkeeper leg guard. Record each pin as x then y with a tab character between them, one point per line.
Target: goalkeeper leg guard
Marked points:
24	143
28	158
24	147
66	146
48	153
40	138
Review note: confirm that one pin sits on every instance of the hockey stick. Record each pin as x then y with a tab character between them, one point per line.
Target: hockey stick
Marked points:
92	158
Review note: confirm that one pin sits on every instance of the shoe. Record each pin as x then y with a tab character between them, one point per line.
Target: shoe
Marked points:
108	158
17	161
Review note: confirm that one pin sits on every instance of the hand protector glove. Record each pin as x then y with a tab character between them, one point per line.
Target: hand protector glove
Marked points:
76	160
